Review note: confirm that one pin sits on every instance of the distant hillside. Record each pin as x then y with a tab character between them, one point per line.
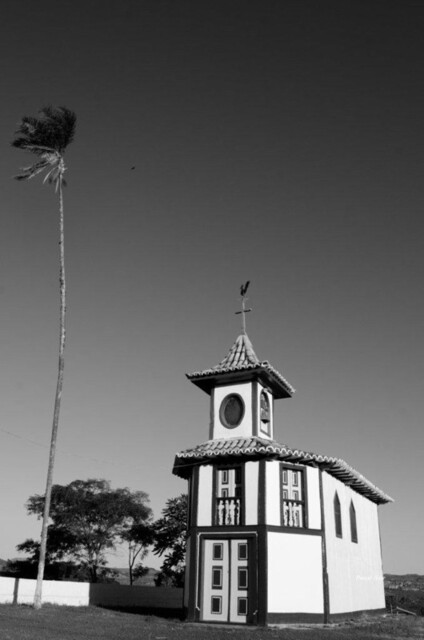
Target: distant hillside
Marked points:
411	581
405	592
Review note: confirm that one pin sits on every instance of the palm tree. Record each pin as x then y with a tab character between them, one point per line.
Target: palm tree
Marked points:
47	136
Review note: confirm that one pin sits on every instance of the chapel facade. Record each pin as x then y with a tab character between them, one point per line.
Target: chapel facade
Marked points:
275	534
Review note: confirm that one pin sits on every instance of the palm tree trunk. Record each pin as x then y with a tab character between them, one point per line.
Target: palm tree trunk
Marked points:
49	483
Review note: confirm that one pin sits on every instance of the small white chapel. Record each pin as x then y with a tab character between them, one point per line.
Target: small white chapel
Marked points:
275	534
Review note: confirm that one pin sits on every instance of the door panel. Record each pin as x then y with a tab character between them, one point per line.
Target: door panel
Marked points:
239	581
225	581
215	579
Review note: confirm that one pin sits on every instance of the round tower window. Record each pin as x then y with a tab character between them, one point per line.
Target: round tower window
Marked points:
232	411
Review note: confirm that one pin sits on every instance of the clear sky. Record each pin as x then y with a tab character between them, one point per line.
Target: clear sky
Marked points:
280	142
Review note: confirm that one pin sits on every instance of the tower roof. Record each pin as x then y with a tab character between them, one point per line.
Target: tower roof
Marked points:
242	364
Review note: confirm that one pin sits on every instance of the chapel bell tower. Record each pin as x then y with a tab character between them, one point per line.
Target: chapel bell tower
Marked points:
242	390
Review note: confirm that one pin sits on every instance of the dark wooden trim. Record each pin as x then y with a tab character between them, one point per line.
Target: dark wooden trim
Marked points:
255	417
233	530
199	577
262	492
252	563
192	611
277	618
225	532
212	415
325	583
301	531
305	497
262	600
293	466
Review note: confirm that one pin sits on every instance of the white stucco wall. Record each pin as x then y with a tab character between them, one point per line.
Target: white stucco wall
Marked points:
313	497
54	592
244	430
295	582
272	483
21	591
355	573
251	492
204	502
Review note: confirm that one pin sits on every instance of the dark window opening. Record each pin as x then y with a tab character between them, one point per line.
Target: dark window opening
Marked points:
353	526
216	604
242	606
337	516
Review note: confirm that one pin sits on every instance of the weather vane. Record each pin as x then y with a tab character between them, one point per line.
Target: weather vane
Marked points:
243	291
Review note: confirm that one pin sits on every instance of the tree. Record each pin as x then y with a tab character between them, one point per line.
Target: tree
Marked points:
138	536
88	519
47	138
171	535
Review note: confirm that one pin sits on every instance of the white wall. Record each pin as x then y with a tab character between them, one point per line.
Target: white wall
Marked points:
251	492
21	591
244	430
314	500
355	572
272	482
204	504
294	573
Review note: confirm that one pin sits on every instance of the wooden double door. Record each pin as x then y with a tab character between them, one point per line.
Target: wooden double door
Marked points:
227	580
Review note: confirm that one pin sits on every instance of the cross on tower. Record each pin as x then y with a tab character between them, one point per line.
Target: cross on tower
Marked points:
243	290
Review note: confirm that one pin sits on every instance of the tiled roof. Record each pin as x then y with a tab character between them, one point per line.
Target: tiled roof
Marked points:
242	358
260	448
241	354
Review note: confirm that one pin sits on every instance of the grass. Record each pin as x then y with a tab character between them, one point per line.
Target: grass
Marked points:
91	623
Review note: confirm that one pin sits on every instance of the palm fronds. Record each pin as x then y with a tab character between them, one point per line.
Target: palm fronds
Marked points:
47	137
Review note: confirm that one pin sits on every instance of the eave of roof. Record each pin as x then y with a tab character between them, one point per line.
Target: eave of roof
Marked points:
255	447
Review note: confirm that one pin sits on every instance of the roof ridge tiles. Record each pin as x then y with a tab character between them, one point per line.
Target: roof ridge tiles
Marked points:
260	446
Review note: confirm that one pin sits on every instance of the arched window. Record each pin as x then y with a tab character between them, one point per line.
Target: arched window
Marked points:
353	527
337	516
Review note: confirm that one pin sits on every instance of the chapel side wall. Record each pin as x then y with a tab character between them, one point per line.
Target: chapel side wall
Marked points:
204	496
251	474
313	498
294	573
272	484
355	572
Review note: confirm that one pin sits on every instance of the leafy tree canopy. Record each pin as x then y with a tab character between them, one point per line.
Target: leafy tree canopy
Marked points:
88	518
171	536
